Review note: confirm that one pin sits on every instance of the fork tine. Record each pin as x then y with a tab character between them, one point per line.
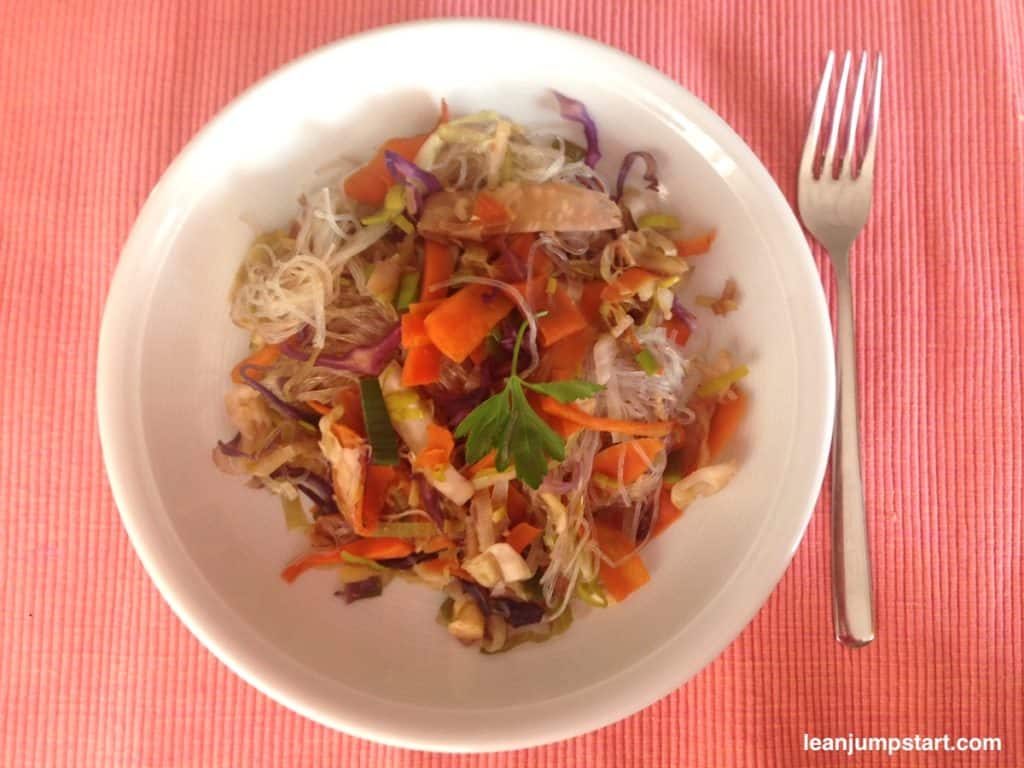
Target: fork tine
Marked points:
868	166
814	132
851	141
837	118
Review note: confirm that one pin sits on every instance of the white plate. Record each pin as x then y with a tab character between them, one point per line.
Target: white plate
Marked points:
382	669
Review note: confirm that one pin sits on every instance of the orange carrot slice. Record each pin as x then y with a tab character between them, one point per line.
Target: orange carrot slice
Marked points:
438	265
621	580
677	330
635	456
375	493
724	423
438	453
694	246
628	283
522	535
422	366
463	320
572	413
263	357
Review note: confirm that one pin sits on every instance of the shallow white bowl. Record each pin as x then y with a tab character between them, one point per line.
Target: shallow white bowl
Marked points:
382	669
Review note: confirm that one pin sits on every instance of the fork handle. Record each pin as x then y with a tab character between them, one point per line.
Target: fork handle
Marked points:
851	568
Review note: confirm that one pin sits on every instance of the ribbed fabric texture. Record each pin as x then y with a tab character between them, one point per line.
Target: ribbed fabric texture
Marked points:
96	98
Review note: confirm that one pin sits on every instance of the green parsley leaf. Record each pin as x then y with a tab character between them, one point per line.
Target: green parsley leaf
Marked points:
506	424
565	391
482	414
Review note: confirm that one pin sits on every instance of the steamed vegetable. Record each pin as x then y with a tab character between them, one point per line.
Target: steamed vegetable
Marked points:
552	206
410	415
574	110
461	322
413	331
562	318
522	535
438	264
368	360
650	171
721	383
421	182
725	422
383	440
369	549
408	290
422	366
256	362
508	425
626	572
632	457
370	183
603	424
694	246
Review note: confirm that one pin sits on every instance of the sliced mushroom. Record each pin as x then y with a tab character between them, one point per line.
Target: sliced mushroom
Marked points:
553	206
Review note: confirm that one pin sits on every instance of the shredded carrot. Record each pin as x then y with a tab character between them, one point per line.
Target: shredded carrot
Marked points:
668	512
489	210
677	436
677	330
438	452
562	360
563	427
628	283
463	320
422	366
438	544
414	332
350	399
487	462
574	414
635	457
521	246
522	535
311	560
437	564
517	505
725	421
263	357
319	407
563	317
438	265
479	354
370	183
694	246
347	436
382	548
622	580
590	301
375	493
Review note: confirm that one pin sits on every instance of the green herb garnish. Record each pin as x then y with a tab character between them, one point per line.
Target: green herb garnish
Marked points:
647	361
408	290
506	424
718	385
351	559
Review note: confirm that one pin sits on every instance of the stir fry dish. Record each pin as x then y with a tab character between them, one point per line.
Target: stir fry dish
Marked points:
471	366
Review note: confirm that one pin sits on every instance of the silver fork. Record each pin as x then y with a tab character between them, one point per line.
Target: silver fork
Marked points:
834	209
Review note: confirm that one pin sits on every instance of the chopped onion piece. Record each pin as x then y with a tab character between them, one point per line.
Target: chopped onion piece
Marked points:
499	562
703	482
